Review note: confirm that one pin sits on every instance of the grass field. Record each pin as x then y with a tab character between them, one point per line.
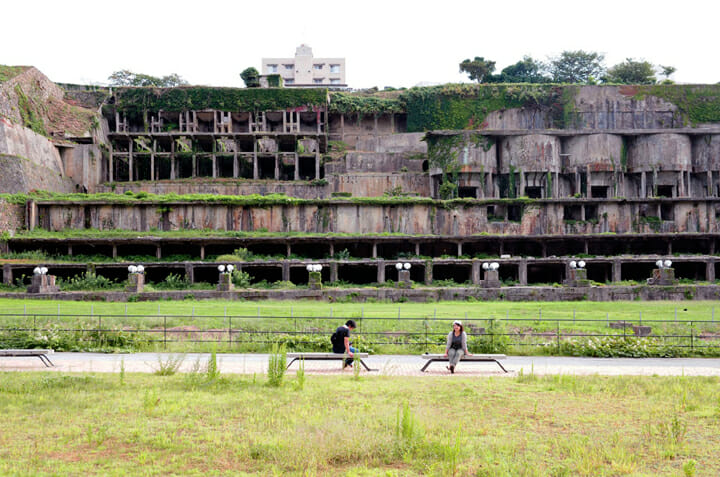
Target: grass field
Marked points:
118	424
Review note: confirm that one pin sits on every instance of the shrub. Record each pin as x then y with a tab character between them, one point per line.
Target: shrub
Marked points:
276	365
87	281
241	279
173	282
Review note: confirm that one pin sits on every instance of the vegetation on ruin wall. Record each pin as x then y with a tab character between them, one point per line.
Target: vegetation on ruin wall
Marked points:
697	103
465	106
349	103
134	101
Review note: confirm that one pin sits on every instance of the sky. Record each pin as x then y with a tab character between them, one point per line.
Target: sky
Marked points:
385	43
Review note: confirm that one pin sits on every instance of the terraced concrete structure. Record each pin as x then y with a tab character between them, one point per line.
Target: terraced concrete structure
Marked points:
444	177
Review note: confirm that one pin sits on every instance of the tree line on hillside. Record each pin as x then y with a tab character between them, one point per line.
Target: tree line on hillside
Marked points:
585	67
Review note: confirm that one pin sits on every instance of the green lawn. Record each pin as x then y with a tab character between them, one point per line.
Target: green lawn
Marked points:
117	424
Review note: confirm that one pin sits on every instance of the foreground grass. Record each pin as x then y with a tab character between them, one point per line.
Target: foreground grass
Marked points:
56	424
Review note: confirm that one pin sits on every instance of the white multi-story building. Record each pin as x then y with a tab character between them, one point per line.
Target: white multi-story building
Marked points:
306	71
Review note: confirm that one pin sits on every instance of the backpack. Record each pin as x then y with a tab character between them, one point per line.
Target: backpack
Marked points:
334	338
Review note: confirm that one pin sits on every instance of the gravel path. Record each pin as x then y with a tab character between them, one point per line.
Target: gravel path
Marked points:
387	365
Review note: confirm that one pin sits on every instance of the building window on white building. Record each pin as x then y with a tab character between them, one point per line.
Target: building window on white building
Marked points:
272	68
289	67
318	81
335	81
334	68
289	81
318	66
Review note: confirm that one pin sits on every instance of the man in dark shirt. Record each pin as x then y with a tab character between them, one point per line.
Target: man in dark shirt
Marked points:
341	341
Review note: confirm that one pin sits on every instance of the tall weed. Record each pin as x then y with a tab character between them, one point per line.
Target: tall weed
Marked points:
276	365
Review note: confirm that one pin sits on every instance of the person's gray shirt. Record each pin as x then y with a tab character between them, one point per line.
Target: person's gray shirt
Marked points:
462	339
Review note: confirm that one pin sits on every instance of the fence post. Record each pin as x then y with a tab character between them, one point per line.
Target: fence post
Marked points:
641	318
676	315
426	335
557	330
692	344
164	332
573	315
229	331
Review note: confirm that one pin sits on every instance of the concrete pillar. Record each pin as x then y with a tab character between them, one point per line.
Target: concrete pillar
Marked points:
130	161
374	250
643	185
428	272
669	243
7	274
392	123
256	170
342	127
333	272
459	249
214	166
522	272
297	167
111	166
317	164
521	191
381	271
417	249
236	167
710	270
194	166
158	252
681	184
332	249
114	251
288	249
190	272
556	185
616	270
202	252
285	271
709	191
475	275
277	167
589	181
172	160
70	252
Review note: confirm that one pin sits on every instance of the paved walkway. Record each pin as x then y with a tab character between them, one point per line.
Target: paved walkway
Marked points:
388	365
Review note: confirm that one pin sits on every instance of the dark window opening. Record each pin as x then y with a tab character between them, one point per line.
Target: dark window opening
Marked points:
667	212
266	167
565	247
438	249
690	270
204	166
545	273
495	213
116	274
600	192
482	249
137	251
245	167
258	274
182	251
121	171
216	249
159	274
287	170
514	213
457	273
268	249
533	192
162	168
523	248
572	212
591	212
225	166
299	275
358	274
393	250
183	166
637	271
691	246
425	166
467	192
307	168
141	166
310	250
665	191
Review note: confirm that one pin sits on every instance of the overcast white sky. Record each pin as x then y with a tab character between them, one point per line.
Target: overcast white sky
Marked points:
385	43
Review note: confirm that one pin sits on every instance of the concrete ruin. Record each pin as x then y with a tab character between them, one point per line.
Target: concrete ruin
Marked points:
621	176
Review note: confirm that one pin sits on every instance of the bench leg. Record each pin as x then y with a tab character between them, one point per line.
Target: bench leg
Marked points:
45	360
365	365
291	362
501	366
426	365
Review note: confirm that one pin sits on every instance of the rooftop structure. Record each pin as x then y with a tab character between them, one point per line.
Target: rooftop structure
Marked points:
306	71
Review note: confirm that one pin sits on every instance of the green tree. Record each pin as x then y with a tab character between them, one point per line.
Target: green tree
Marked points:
128	78
527	70
478	69
251	77
631	72
576	67
667	71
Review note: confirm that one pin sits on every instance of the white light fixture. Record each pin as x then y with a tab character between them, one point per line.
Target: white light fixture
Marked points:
132	269
230	268
141	269
36	271
659	264
495	265
667	263
573	264
44	270
221	268
309	268
581	264
486	266
317	267
406	266
398	266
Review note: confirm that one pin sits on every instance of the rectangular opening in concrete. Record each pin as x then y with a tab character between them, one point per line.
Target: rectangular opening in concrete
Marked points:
690	270
266	167
565	247
299	275
638	271
358	274
215	249
514	213
225	165
599	192
417	273
509	273
245	166
67	273
308	121
240	122
269	249
287	144
121	171
50	249
204	165
392	250
137	251
307	168
287	168
438	249
205	274
523	248
591	212
599	272
90	249
181	251
162	167
459	273
482	249
572	213
667	211
205	121
507	185
665	191
318	249
467	192
141	167
533	192
643	246
545	273
158	274
184	166
345	250
23	275
691	245
495	213
270	274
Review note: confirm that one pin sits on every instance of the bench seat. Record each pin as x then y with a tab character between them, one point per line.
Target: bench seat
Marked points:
38	353
326	357
431	358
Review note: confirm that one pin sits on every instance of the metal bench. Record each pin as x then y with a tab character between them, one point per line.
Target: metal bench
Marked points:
327	357
39	353
431	358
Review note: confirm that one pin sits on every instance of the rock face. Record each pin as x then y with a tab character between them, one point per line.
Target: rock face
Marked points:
22	175
16	140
